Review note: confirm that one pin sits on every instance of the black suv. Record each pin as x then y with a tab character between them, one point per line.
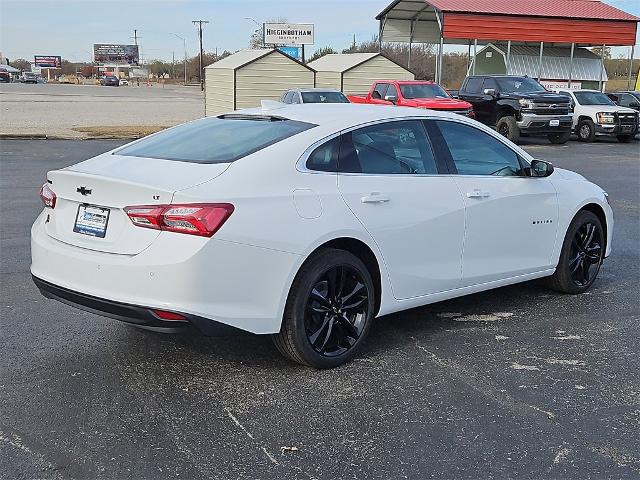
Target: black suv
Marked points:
517	106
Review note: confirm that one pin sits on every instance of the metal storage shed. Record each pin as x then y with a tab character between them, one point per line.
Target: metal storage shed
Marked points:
556	67
353	73
243	79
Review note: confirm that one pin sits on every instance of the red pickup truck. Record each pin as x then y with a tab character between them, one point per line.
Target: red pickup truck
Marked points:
413	93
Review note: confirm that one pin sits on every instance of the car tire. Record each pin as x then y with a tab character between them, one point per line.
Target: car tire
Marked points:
581	256
559	138
508	127
329	310
625	138
586	131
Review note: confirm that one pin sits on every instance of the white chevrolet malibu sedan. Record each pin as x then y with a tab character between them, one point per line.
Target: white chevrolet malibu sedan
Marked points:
307	221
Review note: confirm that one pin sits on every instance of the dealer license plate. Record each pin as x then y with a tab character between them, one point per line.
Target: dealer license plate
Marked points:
92	220
554	123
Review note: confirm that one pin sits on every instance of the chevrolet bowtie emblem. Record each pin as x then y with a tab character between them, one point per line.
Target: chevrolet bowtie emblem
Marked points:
83	190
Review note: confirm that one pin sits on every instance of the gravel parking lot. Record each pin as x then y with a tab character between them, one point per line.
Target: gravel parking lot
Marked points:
61	110
518	382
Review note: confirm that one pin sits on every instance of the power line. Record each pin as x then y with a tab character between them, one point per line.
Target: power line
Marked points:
199	23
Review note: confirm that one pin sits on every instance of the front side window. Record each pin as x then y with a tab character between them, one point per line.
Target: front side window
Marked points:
400	147
475	152
215	139
391	92
592	98
287	97
474	85
380	90
490	83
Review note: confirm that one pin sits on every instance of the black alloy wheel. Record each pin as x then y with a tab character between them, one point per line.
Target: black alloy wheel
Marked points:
329	310
585	255
581	256
336	311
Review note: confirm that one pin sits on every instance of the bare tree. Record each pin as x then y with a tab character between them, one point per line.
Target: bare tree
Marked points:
21	64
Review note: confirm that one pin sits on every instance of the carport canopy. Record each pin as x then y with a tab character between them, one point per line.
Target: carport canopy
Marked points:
586	23
559	22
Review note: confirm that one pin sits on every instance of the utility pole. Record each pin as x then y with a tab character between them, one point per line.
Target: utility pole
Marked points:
184	44
199	23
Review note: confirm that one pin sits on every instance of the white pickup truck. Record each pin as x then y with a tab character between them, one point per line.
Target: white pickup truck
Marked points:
595	114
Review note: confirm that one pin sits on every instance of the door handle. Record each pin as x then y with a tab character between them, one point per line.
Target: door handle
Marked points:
478	194
375	197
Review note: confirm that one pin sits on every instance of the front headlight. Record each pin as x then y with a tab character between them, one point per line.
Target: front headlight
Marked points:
604	117
526	103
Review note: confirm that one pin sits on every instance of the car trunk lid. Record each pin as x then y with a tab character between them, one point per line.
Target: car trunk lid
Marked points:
113	182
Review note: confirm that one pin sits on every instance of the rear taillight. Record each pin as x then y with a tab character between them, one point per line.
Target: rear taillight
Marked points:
48	196
202	219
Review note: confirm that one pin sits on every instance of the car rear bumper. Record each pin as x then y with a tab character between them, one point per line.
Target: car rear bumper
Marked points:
133	314
205	280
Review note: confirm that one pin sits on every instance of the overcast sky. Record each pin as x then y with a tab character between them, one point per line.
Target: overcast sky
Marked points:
70	27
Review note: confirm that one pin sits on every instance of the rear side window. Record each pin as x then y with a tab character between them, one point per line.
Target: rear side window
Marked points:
325	157
474	85
216	139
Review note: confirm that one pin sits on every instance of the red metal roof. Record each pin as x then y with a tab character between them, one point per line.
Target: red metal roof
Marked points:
585	9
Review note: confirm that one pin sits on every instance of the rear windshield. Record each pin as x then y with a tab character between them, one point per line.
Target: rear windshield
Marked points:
215	139
324	97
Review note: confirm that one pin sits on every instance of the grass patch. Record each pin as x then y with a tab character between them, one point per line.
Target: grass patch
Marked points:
120	131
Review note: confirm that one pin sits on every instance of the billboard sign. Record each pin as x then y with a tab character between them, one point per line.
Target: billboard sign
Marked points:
288	34
115	54
47	61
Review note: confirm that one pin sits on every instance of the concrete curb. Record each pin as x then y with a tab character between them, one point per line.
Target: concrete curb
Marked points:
26	136
23	136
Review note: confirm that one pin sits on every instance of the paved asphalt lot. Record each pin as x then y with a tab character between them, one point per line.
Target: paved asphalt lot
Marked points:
54	110
514	383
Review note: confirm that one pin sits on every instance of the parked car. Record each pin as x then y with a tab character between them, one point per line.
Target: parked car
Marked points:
313	95
595	114
124	81
109	81
416	94
629	99
29	77
5	76
516	106
307	221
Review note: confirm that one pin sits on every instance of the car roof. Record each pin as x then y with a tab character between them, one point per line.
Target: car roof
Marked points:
311	89
338	116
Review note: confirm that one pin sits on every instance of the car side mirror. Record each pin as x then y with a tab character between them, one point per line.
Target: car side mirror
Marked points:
540	168
490	93
391	98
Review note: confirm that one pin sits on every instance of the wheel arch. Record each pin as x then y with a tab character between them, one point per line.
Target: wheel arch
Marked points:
364	252
598	211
